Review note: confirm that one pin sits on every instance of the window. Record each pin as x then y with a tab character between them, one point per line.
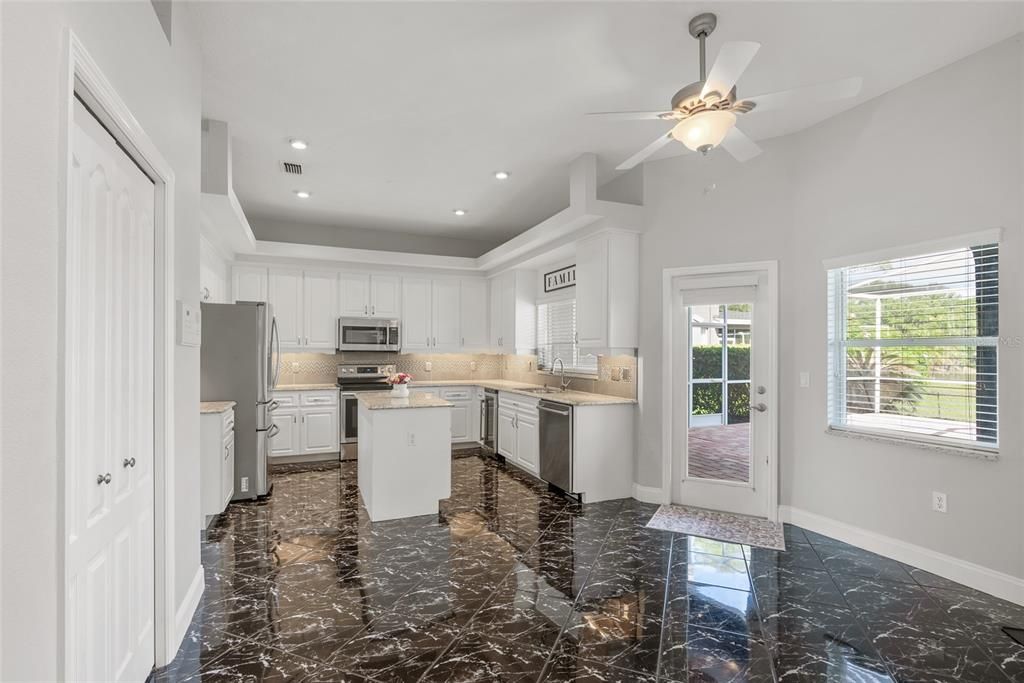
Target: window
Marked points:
913	346
556	338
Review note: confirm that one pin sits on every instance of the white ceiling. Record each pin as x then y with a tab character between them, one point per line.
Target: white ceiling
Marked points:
409	108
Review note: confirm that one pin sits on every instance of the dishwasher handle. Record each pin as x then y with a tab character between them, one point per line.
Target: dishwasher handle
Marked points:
551	408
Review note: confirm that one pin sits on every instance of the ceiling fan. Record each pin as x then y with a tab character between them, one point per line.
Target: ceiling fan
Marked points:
705	112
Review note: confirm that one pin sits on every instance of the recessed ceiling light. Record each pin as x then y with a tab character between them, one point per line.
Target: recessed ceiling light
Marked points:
298	144
302	194
459	212
501	175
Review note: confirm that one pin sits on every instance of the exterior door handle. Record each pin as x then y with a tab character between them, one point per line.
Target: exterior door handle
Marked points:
103	478
129	462
759	407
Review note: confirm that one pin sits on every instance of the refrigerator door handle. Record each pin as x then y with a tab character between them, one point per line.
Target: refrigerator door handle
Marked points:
275	341
273	431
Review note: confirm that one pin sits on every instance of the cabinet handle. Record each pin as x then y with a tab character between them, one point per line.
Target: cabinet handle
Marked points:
373	310
365	311
435	341
463	341
103	478
128	462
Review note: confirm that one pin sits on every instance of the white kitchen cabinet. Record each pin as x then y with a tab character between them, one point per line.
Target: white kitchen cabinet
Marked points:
366	295
507	432
528	440
286	440
513	312
285	296
320	312
518	432
217	462
319	430
465	413
248	283
607	290
473	314
417	321
445	316
460	421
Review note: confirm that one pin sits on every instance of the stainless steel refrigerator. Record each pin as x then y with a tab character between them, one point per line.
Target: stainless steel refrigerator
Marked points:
240	362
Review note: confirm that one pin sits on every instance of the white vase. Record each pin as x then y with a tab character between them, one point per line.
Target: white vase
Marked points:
400	390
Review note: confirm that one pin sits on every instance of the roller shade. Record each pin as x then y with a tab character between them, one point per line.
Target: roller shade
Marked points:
913	346
556	338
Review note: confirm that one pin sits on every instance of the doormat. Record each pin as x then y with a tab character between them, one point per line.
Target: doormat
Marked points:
721	526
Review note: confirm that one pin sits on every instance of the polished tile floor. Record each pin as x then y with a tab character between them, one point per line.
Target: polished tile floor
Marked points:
511	583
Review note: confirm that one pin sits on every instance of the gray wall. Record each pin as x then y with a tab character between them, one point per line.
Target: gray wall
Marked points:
161	84
903	168
362	238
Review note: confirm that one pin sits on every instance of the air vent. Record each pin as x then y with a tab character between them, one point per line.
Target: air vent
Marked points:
289	167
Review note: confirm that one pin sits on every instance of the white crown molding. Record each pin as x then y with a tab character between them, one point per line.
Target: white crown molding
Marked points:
973	575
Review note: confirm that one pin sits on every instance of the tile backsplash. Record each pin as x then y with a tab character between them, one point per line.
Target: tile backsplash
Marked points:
616	374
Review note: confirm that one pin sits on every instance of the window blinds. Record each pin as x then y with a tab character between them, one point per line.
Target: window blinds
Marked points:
556	338
913	346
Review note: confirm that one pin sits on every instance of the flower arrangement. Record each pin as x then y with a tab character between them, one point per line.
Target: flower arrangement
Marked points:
399	378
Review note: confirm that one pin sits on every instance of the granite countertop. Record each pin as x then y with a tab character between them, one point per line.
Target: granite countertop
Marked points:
383	400
306	387
213	407
572	398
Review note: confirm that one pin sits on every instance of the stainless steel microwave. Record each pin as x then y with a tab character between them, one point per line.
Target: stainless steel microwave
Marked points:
368	334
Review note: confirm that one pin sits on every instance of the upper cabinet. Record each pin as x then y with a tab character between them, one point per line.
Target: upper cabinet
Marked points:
366	295
444	314
513	322
607	290
248	283
473	314
305	306
416	323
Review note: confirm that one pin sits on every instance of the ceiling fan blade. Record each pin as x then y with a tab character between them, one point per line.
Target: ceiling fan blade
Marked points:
739	145
821	92
730	64
627	115
647	151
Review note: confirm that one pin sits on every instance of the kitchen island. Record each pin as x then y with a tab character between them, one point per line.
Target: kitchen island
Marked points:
404	454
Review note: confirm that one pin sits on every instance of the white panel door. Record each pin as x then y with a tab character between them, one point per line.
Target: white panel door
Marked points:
592	292
249	283
460	421
496	312
416	333
321	309
385	296
528	441
285	295
286	441
445	335
320	430
108	410
355	295
506	433
473	315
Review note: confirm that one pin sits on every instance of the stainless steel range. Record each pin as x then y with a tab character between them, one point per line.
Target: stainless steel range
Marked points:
353	378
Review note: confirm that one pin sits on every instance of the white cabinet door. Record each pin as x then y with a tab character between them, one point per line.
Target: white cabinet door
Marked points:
528	441
385	296
248	283
473	314
592	292
497	310
227	472
461	416
445	335
286	299
321	309
507	433
355	295
286	441
319	430
416	333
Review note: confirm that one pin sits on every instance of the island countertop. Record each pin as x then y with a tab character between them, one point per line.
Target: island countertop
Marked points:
383	400
213	407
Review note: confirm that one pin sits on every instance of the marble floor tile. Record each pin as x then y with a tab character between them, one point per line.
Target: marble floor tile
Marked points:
510	582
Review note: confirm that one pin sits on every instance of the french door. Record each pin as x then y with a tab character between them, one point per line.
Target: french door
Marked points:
720	422
108	410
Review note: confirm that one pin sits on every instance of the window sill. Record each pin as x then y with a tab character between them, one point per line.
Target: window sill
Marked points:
991	454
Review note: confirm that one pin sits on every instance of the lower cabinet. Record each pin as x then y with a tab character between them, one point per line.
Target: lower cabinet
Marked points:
307	423
518	433
217	462
465	413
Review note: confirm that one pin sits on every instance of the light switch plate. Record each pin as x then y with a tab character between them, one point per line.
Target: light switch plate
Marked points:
428	366
189	329
805	379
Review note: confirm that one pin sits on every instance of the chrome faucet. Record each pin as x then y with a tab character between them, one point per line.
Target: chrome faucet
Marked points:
564	382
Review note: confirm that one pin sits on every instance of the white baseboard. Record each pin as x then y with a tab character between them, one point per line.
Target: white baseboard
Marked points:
981	578
647	494
187	609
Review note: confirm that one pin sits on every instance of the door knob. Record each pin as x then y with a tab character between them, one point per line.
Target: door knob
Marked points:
759	407
129	462
103	478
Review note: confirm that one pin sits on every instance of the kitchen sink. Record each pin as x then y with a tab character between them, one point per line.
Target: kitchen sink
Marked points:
543	390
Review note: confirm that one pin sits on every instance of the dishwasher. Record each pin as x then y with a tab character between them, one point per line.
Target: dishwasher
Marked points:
556	444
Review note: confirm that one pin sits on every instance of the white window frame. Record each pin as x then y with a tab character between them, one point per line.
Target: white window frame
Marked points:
571	369
837	345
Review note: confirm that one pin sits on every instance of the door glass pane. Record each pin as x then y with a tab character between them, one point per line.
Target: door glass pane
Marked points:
718	445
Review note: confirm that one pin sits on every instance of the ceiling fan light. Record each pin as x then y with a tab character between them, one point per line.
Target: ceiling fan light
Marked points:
704	131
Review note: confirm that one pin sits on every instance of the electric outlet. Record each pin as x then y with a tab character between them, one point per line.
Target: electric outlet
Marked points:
472	366
805	379
627	375
428	366
295	366
412	439
939	501
245	484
